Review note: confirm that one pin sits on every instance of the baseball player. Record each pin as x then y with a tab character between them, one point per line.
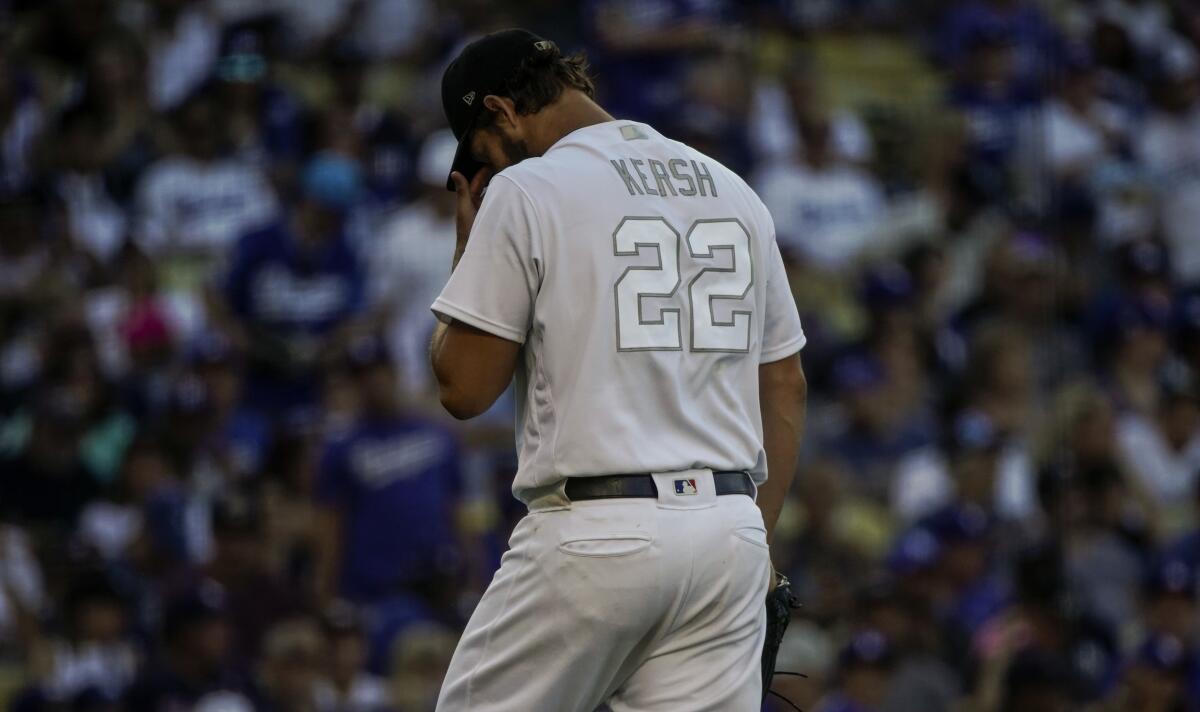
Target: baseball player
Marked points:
633	288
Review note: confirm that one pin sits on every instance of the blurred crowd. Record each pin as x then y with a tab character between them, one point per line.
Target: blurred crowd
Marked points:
225	482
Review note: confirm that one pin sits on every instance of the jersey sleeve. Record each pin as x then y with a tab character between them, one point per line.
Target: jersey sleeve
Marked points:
496	281
782	333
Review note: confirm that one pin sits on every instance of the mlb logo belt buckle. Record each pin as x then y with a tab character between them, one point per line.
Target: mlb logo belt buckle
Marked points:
685	487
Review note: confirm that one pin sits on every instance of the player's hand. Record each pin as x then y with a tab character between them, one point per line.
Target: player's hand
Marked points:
470	195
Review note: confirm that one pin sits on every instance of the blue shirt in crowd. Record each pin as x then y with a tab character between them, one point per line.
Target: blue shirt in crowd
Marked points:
276	283
396	481
647	86
291	296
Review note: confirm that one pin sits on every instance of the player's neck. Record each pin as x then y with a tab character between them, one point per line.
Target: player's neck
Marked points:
573	111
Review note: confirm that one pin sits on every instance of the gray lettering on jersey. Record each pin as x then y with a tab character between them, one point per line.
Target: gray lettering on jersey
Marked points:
702	175
623	171
712	298
662	312
637	167
659	170
674	163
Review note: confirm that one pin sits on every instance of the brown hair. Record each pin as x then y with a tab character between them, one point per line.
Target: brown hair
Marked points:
541	79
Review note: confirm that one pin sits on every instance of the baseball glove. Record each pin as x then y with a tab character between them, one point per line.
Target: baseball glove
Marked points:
780	604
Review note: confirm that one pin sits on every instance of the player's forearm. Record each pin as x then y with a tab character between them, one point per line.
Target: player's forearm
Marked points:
783	393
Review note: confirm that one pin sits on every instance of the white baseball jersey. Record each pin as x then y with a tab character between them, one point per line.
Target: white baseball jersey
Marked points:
643	279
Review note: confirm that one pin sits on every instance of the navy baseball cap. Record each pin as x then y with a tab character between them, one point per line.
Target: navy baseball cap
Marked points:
1170	577
888	285
205	601
858	372
1187	314
210	348
957	523
483	67
973	431
1164	653
868	648
916	550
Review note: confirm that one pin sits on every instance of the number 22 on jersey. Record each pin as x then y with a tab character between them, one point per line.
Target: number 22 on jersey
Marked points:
638	329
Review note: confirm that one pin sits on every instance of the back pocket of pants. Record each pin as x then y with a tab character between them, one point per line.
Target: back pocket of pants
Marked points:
605	546
752	535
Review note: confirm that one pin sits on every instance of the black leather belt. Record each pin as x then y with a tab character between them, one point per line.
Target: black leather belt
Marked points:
625	486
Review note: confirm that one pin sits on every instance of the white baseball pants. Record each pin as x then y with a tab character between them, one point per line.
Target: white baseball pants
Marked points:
628	605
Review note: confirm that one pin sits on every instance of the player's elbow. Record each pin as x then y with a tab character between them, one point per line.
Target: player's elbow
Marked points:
460	403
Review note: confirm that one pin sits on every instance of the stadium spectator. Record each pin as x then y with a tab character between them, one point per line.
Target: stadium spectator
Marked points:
114	91
353	123
389	489
864	672
1035	41
256	596
95	221
194	669
995	103
23	585
198	200
347	687
1156	680
292	290
873	435
1169	148
21	122
1139	350
1081	131
266	123
1162	448
93	654
289	673
643	49
826	210
182	43
236	438
420	657
408	263
779	106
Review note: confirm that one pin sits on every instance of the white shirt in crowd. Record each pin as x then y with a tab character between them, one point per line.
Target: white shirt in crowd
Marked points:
773	129
1077	140
21	583
1169	147
643	279
367	693
16	143
191	206
1168	475
182	59
409	263
109	667
95	221
924	483
827	215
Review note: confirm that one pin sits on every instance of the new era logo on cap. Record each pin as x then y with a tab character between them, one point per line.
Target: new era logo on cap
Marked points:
469	97
543	45
685	487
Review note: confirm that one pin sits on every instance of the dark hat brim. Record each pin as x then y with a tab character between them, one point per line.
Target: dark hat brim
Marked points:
463	162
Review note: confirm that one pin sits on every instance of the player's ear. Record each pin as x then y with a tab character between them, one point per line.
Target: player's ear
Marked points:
505	108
